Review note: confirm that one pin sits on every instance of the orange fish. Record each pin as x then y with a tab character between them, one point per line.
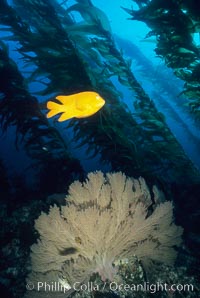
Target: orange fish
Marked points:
79	105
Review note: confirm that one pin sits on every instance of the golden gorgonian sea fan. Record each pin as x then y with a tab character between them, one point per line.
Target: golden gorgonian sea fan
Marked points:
105	220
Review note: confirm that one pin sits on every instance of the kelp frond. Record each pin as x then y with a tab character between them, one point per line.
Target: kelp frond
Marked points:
21	110
137	143
174	23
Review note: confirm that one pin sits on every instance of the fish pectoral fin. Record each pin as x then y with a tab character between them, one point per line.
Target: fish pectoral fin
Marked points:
81	106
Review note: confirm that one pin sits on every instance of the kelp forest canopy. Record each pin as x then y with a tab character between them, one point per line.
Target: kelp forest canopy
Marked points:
76	56
174	24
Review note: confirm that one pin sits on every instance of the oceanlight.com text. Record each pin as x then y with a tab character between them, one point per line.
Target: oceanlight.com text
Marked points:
150	287
113	286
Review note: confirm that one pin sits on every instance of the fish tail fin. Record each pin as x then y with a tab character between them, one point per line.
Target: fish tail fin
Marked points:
54	109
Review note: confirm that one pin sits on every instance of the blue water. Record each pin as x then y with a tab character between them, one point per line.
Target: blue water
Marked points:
171	104
148	69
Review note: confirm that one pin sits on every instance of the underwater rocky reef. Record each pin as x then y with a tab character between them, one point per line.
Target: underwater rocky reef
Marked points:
65	54
104	224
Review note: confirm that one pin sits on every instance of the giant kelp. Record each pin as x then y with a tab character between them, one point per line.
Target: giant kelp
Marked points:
137	143
77	56
54	53
146	130
42	142
174	23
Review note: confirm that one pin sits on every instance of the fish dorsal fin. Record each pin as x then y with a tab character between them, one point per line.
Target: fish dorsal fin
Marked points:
65	99
68	106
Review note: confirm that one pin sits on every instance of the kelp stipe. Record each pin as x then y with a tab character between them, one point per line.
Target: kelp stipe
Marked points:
174	24
42	142
134	148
